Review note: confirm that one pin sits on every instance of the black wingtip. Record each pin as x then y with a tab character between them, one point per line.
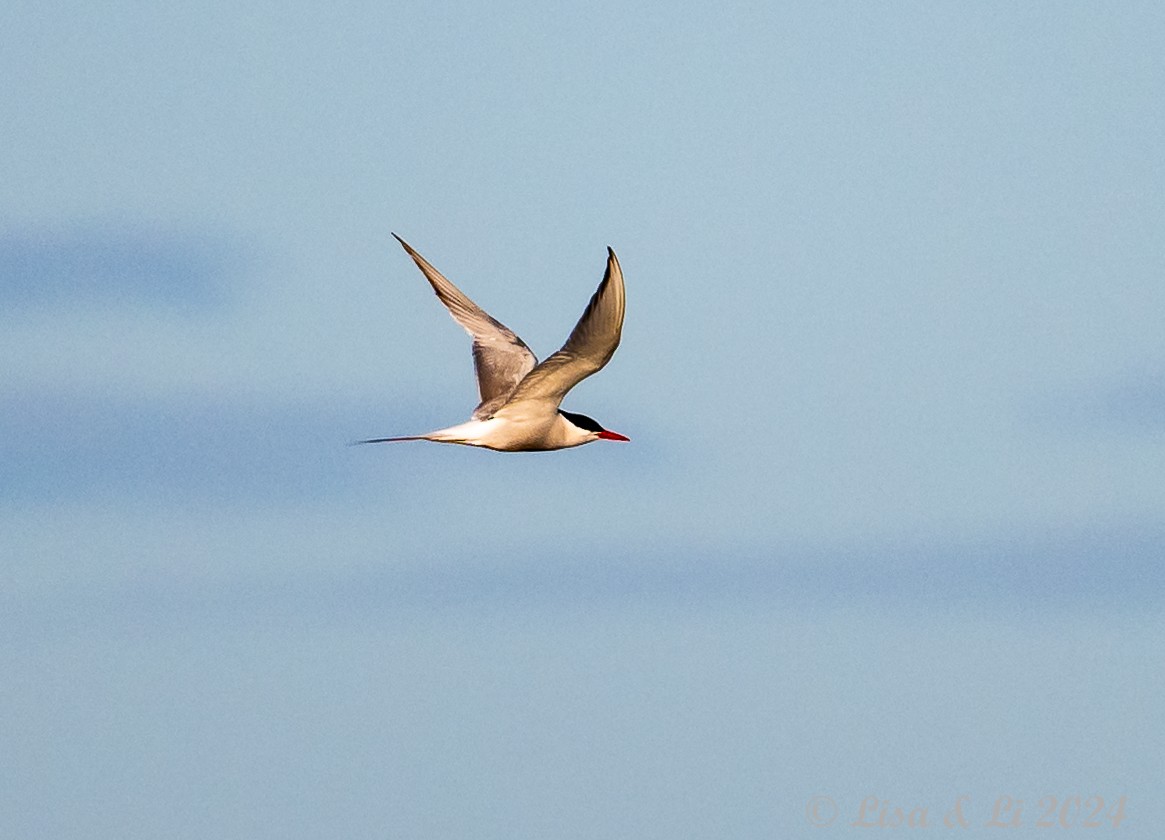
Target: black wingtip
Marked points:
403	244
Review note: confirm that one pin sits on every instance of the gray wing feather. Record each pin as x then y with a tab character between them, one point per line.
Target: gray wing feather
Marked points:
591	344
501	360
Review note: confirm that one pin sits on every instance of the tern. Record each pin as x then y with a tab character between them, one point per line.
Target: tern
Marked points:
520	398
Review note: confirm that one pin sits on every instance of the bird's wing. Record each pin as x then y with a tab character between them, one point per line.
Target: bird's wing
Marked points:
591	344
500	359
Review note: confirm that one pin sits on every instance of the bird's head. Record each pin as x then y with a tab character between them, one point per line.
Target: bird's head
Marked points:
586	424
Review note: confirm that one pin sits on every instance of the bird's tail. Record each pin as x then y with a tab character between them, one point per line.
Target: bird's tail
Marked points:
467	433
389	439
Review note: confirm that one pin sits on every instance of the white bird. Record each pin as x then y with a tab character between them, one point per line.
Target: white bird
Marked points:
519	409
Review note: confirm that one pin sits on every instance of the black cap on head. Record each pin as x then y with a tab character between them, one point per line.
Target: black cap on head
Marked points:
582	421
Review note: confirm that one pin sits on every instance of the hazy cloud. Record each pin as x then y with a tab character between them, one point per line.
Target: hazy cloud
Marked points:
1131	403
79	446
1138	404
120	266
1094	569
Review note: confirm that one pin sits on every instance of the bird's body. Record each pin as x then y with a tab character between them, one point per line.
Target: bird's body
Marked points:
519	409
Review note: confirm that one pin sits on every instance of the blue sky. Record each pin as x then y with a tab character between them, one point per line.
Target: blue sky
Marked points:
893	372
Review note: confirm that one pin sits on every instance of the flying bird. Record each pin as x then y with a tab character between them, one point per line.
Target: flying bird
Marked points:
519	409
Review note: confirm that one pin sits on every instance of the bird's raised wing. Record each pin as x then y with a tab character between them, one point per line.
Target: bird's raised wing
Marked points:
591	344
500	359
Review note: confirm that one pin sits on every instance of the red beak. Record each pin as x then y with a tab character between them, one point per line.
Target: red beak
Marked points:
606	435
